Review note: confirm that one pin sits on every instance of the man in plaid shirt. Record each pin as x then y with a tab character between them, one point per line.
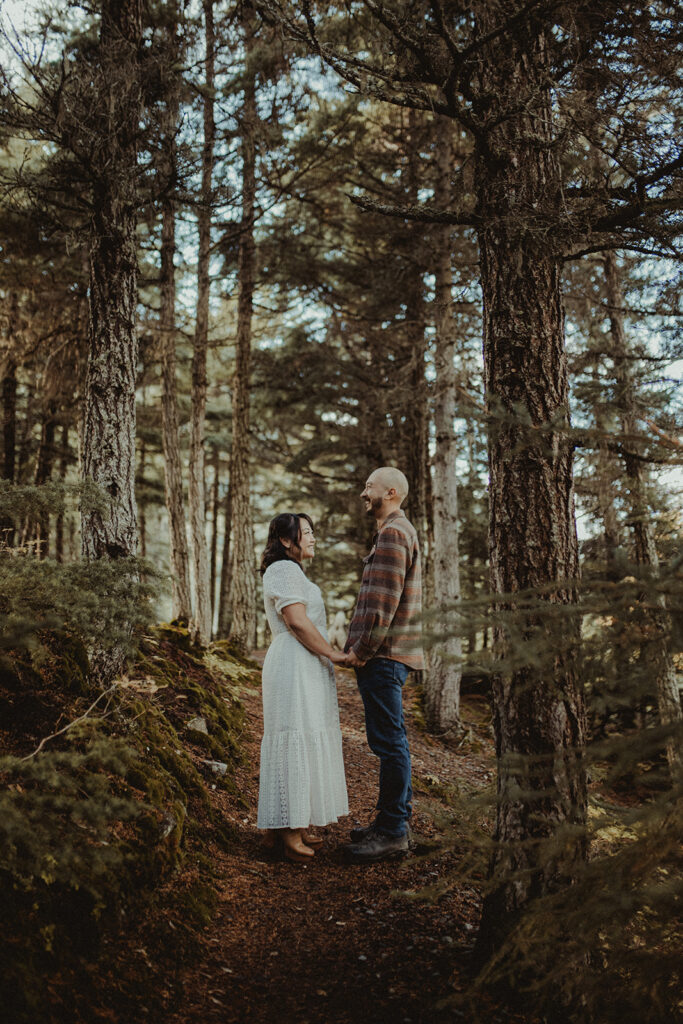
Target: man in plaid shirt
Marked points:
383	644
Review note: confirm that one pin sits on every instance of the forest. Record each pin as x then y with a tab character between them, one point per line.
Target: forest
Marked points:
250	252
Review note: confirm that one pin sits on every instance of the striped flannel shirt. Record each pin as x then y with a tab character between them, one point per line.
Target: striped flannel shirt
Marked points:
386	621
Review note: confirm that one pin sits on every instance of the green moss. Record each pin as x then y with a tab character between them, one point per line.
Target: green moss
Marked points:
161	780
199	902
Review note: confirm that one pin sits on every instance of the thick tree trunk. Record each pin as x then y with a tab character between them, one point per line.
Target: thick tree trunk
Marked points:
109	406
173	474
538	710
442	681
657	648
242	591
202	597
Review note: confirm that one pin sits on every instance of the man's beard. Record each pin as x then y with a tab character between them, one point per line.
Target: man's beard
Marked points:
375	505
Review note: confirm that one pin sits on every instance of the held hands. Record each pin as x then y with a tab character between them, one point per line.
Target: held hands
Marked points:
347	658
339	658
353	661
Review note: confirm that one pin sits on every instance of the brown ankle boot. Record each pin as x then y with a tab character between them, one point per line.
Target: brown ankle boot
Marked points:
295	849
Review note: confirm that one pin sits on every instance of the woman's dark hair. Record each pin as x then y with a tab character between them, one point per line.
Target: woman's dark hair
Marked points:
287	526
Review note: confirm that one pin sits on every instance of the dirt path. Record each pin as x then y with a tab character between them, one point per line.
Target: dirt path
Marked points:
328	941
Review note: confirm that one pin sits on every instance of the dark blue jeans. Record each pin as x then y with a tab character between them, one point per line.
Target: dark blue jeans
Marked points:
380	682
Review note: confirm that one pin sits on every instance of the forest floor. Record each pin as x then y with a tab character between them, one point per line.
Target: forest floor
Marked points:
325	942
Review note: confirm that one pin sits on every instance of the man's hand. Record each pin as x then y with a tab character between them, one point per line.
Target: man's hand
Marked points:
353	661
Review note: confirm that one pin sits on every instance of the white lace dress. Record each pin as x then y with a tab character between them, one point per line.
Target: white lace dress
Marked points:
302	771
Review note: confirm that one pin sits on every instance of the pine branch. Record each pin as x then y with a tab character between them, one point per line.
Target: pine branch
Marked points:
673	441
422	212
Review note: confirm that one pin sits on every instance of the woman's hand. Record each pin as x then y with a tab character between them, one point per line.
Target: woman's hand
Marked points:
339	658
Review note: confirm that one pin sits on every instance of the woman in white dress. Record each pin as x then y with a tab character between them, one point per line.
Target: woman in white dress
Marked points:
302	780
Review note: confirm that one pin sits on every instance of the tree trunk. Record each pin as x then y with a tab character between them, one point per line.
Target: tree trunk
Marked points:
9	434
44	460
611	529
202	598
538	709
415	454
173	474
658	647
9	419
25	440
63	465
223	629
142	503
442	681
215	506
242	591
109	401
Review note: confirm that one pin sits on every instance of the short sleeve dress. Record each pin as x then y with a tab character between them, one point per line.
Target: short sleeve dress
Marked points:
302	778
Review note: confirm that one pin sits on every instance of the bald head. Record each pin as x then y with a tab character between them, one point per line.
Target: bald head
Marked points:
389	477
384	492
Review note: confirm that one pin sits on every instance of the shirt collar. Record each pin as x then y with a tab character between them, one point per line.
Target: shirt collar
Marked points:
398	513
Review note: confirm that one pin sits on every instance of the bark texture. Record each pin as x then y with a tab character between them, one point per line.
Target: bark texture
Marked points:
109	402
142	502
215	506
442	680
197	501
538	711
44	463
657	647
414	401
63	464
9	436
224	585
173	474
242	584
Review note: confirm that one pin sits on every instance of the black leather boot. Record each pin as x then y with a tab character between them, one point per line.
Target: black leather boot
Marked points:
376	846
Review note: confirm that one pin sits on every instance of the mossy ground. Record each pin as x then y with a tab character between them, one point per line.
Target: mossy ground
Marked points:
56	923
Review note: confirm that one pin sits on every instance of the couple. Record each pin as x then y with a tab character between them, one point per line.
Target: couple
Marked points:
302	779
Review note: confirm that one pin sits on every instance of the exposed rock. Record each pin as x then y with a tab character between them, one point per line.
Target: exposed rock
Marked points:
198	724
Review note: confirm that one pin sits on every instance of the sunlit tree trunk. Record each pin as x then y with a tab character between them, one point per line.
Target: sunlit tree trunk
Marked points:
108	453
658	647
215	506
242	591
442	681
224	585
538	709
200	562
173	474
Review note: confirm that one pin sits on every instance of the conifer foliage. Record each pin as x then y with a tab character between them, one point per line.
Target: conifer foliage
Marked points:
251	251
